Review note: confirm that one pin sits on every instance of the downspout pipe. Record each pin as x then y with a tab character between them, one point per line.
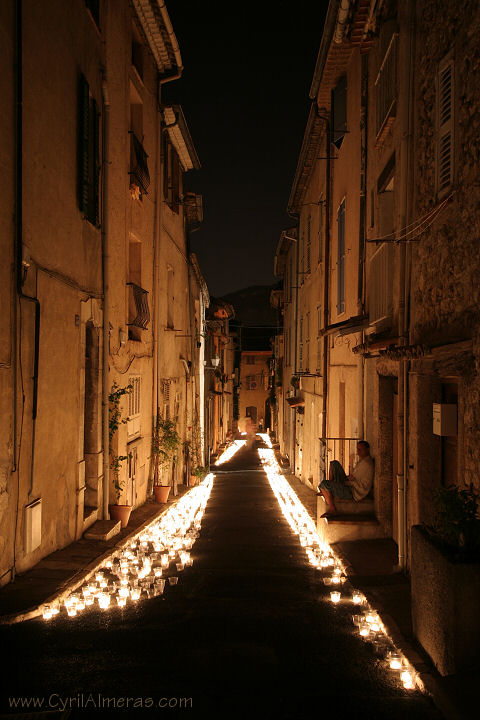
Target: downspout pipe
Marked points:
402	438
106	296
295	216
326	274
19	260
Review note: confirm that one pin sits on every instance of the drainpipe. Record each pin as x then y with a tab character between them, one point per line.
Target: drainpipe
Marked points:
361	239
293	434
402	439
106	297
19	259
326	274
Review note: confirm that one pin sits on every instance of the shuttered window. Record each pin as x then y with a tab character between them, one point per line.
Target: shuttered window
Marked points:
134	397
341	259
445	125
339	111
309	245
300	346
89	154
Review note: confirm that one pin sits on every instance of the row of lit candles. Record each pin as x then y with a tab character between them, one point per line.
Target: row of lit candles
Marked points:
321	556
138	567
230	451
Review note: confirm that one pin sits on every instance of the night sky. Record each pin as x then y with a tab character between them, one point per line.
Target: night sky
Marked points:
244	91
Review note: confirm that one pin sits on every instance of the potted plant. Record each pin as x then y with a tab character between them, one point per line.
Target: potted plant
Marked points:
118	511
165	443
445	578
198	471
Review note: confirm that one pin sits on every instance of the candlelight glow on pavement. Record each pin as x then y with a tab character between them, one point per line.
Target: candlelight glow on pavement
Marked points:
135	572
320	555
230	451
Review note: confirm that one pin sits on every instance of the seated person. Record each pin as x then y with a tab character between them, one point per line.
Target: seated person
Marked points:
354	487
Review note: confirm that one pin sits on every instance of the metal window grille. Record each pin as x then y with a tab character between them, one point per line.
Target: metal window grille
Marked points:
337	448
138	310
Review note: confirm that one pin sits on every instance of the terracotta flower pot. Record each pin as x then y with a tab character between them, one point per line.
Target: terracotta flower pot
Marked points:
161	493
120	512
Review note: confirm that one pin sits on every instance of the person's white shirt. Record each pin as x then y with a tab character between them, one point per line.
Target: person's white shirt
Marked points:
363	474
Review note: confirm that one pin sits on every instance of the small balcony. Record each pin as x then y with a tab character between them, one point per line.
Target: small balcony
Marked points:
138	311
139	175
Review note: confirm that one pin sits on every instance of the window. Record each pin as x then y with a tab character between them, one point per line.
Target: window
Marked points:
170	298
139	173
445	127
89	154
300	345
309	245
138	310
319	354
386	90
171	176
250	359
166	399
341	258
339	112
93	7
320	230
251	382
137	52
134	397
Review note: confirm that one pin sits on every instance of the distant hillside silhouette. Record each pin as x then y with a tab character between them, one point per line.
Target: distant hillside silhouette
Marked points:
252	305
254	315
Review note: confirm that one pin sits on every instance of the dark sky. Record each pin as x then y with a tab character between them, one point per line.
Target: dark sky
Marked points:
244	91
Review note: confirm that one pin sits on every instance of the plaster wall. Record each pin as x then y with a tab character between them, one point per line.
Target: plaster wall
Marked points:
8	480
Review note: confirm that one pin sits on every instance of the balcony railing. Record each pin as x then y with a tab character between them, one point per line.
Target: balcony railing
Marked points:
380	282
337	448
139	174
138	311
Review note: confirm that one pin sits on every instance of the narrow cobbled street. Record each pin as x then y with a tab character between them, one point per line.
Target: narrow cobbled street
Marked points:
248	630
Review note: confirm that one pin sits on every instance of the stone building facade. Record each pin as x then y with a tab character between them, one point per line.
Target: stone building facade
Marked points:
97	285
386	197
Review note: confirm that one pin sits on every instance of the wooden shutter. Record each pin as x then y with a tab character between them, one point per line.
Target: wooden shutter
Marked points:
84	142
341	259
309	242
175	181
445	119
95	215
339	111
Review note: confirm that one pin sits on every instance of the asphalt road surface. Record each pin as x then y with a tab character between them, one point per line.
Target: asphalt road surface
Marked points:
247	632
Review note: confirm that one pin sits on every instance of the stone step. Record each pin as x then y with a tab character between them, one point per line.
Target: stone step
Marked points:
103	530
344	527
90	516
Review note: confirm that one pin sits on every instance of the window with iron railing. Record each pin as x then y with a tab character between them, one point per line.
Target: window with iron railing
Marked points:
138	310
386	90
139	174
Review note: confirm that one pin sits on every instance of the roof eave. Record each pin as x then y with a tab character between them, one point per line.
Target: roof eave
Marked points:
158	31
